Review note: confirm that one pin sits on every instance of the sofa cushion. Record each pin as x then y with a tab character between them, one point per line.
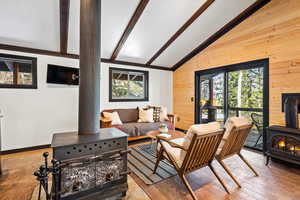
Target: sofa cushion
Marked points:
146	115
126	115
114	117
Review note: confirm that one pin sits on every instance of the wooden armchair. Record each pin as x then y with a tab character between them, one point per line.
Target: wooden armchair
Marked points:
199	153
233	145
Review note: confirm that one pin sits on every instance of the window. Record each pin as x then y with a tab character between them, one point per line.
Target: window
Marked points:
18	72
128	85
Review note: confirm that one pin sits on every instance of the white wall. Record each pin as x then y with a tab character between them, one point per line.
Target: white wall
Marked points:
160	88
31	116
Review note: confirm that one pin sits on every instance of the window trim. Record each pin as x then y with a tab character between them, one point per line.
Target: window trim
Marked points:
34	73
146	86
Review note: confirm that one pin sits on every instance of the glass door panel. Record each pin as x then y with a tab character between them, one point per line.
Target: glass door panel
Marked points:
245	98
236	90
212	98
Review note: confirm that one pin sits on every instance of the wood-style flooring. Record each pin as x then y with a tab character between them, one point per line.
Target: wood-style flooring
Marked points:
276	181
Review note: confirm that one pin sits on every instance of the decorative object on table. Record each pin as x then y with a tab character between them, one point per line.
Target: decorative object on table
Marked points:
165	135
163	128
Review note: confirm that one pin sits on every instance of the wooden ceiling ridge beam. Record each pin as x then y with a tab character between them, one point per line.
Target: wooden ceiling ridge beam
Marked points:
134	19
233	23
64	13
75	56
195	16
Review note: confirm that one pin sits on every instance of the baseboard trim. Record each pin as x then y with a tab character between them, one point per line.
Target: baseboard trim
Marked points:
26	149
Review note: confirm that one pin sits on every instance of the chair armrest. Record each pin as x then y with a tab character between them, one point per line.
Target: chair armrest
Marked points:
172	144
105	122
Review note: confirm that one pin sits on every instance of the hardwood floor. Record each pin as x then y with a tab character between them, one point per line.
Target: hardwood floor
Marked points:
276	182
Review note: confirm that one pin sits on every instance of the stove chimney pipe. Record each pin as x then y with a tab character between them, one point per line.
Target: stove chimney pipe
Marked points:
89	88
291	109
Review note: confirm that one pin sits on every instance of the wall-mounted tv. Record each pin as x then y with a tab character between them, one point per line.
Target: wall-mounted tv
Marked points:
62	75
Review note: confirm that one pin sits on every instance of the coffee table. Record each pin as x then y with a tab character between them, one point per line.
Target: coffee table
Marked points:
174	134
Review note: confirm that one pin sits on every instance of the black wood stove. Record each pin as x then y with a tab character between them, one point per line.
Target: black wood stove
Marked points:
284	142
93	167
89	167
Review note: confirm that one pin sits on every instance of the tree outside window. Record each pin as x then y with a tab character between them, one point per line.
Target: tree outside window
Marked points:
128	85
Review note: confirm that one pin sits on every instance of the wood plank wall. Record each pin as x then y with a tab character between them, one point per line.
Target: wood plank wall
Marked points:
272	32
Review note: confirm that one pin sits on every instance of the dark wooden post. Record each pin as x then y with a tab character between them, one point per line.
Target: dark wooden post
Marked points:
89	89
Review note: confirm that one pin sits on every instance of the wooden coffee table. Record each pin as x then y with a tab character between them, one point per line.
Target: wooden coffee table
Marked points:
174	134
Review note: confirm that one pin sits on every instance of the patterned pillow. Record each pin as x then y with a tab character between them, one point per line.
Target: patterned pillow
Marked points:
156	113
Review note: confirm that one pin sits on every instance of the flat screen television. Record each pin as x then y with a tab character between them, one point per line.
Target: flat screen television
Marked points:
62	75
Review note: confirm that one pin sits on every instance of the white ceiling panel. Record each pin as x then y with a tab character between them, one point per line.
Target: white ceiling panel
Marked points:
115	16
213	19
160	20
30	23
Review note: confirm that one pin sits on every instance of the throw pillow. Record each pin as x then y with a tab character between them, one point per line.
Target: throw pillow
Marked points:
114	117
163	114
145	115
156	113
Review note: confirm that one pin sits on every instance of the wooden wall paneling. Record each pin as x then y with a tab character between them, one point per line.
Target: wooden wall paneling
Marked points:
272	32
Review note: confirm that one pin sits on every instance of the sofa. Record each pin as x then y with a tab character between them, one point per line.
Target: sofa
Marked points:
131	126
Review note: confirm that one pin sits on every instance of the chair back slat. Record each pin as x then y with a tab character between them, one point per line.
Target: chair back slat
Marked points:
235	141
201	151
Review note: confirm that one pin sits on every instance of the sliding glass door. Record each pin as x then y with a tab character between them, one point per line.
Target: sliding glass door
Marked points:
235	90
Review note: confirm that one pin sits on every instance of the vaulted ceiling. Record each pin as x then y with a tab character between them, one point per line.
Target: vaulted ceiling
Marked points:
152	32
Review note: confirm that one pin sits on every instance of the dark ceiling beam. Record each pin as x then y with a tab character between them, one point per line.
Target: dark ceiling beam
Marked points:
37	51
233	23
64	7
119	62
181	30
74	56
134	19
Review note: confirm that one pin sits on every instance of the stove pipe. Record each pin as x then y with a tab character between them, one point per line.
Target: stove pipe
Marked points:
291	109
89	88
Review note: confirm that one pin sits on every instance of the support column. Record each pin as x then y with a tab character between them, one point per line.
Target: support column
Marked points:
89	88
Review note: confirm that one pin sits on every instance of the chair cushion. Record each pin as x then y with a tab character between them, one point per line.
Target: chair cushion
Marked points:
235	122
176	153
200	129
230	123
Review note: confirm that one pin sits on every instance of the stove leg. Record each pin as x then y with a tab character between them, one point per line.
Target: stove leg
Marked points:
267	160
